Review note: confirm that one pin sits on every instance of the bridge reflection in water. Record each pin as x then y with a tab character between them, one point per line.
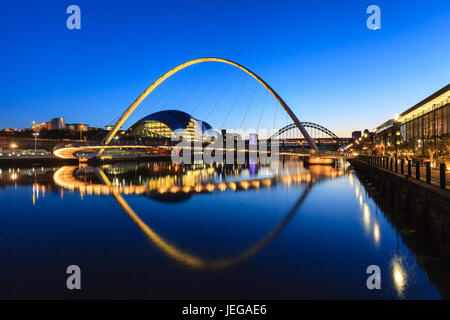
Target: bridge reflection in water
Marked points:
234	231
66	177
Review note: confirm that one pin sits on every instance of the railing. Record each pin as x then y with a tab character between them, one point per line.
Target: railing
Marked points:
405	167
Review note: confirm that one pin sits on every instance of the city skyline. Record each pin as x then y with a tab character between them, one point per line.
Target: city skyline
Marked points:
320	57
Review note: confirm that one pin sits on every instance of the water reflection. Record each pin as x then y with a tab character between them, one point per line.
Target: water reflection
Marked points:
399	276
398	273
223	227
196	181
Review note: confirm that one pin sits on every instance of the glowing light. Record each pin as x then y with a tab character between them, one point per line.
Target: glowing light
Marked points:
376	233
232	186
366	217
244	185
399	276
13	145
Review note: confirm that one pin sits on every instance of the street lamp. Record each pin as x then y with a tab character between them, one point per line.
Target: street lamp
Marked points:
35	134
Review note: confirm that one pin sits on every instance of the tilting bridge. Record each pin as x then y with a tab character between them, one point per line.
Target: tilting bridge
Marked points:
72	151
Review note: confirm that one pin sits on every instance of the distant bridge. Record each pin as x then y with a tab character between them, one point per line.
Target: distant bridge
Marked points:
312	125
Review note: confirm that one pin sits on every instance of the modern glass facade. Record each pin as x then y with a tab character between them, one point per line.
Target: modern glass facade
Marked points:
163	124
428	128
423	129
157	129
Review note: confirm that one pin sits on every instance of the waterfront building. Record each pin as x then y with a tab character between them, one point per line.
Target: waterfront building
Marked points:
54	124
163	124
423	129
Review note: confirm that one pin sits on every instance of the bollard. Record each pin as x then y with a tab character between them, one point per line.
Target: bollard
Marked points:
391	160
442	169
396	165
417	170
402	166
428	172
409	168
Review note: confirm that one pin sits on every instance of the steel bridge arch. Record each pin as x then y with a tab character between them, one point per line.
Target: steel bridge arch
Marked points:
308	125
171	72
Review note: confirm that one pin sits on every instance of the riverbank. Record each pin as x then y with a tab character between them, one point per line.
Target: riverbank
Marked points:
427	253
425	207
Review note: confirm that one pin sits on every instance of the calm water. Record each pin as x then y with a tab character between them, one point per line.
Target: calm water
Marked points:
154	230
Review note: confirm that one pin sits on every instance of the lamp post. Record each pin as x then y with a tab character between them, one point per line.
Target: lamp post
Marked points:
35	134
81	132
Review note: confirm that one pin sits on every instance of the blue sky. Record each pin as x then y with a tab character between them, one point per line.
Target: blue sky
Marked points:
318	55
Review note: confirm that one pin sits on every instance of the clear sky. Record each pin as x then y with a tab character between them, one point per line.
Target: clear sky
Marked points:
319	55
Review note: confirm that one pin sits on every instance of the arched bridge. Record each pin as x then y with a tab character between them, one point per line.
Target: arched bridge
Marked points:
182	66
312	125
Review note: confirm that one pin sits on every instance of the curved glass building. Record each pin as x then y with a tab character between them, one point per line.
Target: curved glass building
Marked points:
162	124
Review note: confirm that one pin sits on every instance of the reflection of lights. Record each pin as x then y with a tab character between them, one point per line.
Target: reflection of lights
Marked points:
189	181
13	176
399	275
366	217
222	186
357	191
376	233
162	190
210	187
244	185
360	199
